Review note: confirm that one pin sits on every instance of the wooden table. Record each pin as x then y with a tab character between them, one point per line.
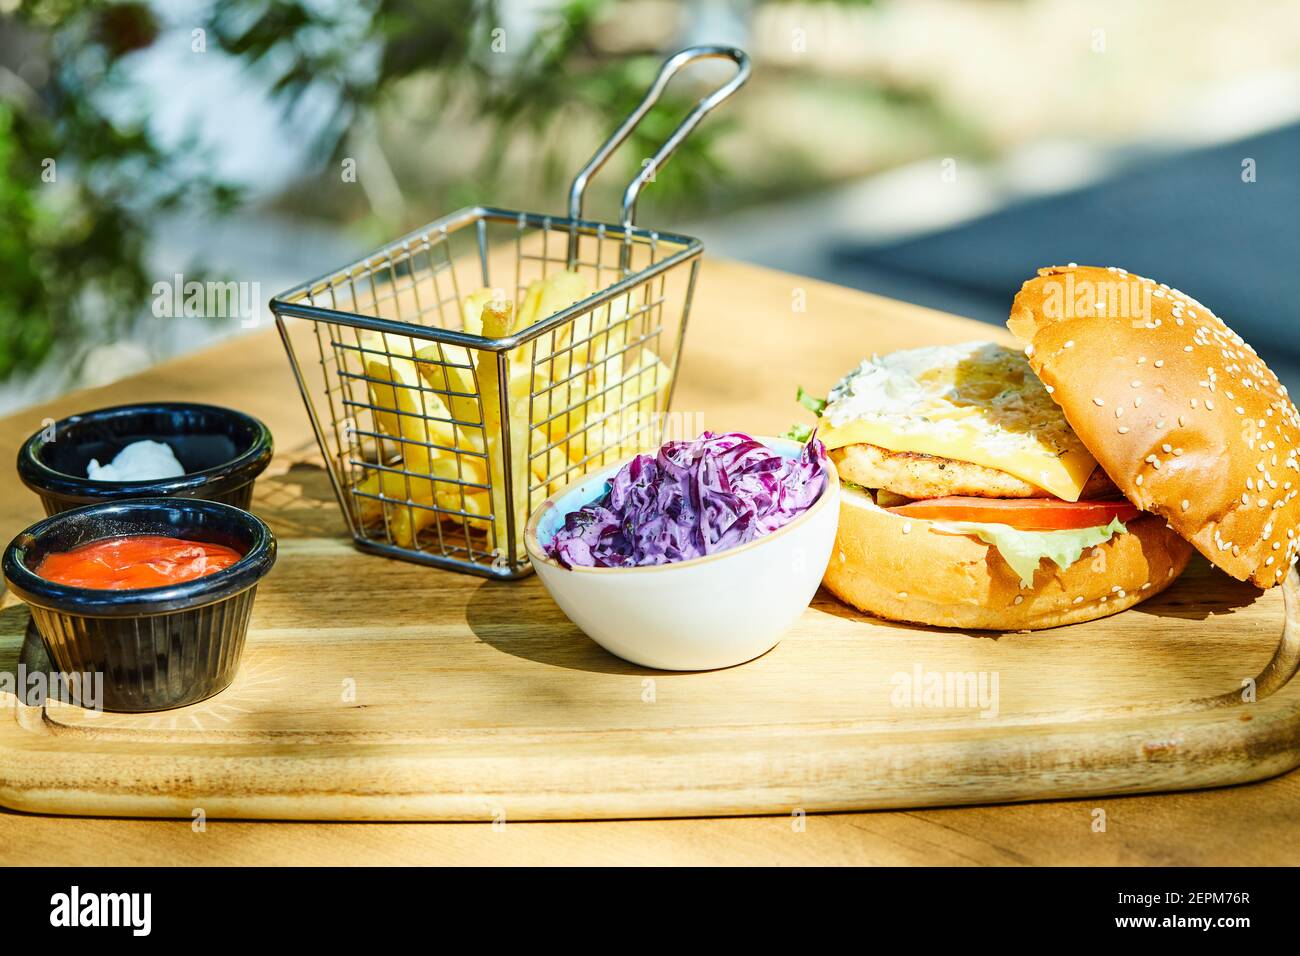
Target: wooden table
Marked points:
1251	825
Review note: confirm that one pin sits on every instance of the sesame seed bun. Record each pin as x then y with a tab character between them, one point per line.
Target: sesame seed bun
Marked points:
904	570
1187	420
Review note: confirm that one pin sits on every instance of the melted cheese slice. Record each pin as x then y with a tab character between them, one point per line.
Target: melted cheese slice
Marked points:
977	403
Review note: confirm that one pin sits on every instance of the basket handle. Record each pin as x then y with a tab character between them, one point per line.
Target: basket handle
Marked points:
671	67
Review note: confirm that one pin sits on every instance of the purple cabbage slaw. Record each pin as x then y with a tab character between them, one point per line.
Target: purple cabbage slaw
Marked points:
691	499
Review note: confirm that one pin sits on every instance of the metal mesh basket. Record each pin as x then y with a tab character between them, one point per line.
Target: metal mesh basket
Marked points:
444	423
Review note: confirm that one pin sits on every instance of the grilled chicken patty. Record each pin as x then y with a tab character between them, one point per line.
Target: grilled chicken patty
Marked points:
916	475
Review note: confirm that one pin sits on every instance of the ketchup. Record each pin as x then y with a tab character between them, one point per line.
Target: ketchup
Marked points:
136	561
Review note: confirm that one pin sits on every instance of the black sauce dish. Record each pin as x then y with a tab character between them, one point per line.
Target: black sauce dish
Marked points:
157	648
221	450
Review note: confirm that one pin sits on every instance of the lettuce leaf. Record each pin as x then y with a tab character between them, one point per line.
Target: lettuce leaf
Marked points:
811	402
1024	549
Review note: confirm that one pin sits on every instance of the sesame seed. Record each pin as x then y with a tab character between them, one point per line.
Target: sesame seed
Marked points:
1079	599
1160	363
1123	429
1069	344
1209	404
1139	480
1135	383
907	527
1020	599
1186	504
1186	348
1166	448
1119	411
1098	402
902	595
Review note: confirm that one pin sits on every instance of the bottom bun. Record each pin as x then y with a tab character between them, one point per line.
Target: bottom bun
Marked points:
899	568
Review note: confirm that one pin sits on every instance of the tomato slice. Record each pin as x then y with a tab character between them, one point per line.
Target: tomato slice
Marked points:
1024	514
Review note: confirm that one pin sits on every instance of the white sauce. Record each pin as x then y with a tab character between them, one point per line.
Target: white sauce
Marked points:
139	461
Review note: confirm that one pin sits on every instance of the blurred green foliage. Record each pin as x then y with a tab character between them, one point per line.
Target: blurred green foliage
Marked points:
73	254
456	47
77	189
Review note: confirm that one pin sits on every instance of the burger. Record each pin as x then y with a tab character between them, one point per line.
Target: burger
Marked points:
991	487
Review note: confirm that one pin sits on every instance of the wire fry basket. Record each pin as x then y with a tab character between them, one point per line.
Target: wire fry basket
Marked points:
458	376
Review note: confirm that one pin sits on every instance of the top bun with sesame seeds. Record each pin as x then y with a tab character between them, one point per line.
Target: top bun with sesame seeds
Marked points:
1183	415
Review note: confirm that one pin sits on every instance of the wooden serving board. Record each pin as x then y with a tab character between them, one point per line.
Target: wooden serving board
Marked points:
377	689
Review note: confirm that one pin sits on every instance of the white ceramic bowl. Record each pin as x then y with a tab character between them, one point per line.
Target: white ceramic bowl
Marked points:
710	612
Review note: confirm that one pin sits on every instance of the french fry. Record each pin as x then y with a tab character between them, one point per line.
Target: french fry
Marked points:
649	383
368	508
497	322
626	423
415	417
551	471
565	372
471	308
445	485
600	332
578	372
449	369
489	314
403	408
544	297
405	522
